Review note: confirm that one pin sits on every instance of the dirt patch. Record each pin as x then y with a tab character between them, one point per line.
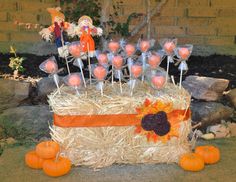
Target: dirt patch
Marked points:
212	66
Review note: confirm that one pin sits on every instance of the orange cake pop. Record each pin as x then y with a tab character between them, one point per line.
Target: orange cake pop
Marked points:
113	46
154	61
102	59
50	66
144	45
129	49
74	80
184	53
100	73
117	62
158	81
136	70
169	47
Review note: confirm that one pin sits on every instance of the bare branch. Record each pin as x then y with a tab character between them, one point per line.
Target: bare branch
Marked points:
145	21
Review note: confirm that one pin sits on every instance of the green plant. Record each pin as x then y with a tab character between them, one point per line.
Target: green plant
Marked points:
16	62
74	9
93	9
79	8
123	28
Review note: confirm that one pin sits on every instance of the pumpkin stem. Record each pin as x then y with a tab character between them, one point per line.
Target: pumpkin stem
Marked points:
57	157
58	154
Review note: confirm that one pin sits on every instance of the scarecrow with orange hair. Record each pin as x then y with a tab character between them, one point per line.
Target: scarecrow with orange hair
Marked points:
56	29
86	30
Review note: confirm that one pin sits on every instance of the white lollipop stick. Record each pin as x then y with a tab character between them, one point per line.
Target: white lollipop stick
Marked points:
180	79
168	67
144	64
63	47
132	87
130	63
77	91
78	60
119	73
67	65
90	71
112	75
101	87
183	66
56	81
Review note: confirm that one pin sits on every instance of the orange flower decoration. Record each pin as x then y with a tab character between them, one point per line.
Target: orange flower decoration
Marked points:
174	117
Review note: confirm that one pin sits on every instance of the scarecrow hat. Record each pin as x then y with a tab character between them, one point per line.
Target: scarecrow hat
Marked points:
55	12
87	18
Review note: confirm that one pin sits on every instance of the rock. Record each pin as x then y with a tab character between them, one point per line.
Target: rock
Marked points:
232	128
41	48
10	141
219	131
209	113
13	92
26	122
205	88
45	86
232	96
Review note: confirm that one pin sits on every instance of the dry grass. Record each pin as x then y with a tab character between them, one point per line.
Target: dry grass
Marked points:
98	147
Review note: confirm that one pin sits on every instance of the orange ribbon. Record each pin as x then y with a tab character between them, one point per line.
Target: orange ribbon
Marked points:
95	120
111	119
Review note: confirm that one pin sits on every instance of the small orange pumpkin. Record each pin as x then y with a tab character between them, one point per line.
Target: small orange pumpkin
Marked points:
57	167
209	153
33	160
191	162
47	149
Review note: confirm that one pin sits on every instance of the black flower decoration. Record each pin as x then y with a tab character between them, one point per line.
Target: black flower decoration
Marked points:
163	129
148	122
156	122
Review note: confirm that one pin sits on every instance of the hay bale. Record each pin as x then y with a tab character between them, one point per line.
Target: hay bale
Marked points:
98	147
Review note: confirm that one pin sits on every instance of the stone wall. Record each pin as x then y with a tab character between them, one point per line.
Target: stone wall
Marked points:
26	11
208	24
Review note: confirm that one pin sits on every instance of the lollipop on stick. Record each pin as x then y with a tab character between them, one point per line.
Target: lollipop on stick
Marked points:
113	48
100	73
89	65
154	60
75	51
65	52
183	53
136	71
169	46
74	81
158	81
144	47
50	66
129	50
102	60
117	63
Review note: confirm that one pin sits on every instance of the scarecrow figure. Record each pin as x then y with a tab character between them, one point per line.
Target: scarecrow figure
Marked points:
86	30
58	27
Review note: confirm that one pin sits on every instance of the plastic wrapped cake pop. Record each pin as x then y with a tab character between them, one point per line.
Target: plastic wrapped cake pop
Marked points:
100	73
50	66
75	51
136	72
183	53
168	46
74	80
